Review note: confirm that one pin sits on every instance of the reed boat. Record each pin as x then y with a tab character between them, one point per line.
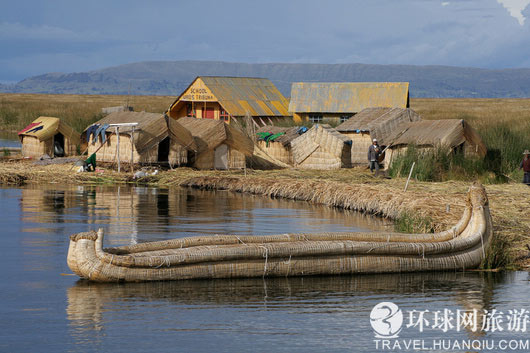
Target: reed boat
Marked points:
461	247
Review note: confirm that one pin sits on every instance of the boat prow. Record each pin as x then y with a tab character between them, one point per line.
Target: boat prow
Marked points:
461	247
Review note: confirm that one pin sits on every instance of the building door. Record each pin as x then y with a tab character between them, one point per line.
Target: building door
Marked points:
208	113
58	145
163	150
220	160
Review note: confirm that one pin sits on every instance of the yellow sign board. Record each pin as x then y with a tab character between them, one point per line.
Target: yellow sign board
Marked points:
198	92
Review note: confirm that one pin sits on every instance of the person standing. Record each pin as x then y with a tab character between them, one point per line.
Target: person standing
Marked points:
373	156
525	166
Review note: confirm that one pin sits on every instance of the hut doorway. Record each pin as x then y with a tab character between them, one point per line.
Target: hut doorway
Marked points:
221	157
58	145
163	150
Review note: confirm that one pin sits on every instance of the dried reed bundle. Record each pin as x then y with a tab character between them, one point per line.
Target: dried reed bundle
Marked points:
321	148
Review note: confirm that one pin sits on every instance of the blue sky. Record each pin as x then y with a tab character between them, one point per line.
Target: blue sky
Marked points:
38	37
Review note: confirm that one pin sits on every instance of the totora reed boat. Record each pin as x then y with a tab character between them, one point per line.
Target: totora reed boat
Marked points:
461	247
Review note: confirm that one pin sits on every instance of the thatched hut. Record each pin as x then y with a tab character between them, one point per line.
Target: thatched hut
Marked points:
219	145
280	147
321	147
48	135
378	123
152	140
453	134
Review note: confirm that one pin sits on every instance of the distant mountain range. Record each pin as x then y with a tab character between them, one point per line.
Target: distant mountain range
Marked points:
172	77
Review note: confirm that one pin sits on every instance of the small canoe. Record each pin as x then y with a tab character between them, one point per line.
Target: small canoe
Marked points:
461	247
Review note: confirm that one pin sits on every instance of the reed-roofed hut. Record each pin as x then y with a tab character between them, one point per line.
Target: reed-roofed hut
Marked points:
48	135
374	123
154	140
453	134
219	145
321	147
279	147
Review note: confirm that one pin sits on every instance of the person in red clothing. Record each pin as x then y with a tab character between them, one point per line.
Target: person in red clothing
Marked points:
525	165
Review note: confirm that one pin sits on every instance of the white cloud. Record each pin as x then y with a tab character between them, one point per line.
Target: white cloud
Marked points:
9	30
515	8
445	3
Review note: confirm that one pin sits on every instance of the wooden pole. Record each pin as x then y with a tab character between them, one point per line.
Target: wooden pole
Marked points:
410	174
132	150
118	146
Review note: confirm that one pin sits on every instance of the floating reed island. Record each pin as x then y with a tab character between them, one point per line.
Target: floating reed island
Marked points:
461	247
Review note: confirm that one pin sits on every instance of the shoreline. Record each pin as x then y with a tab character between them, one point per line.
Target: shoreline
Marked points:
440	203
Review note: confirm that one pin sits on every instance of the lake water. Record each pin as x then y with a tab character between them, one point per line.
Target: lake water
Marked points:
43	308
9	139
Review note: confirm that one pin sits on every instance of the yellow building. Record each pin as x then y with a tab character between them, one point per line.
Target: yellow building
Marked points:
227	98
336	102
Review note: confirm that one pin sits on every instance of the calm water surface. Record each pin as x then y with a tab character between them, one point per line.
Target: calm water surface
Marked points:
43	309
9	139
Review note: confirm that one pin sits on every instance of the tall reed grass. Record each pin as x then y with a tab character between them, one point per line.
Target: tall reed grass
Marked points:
441	164
78	111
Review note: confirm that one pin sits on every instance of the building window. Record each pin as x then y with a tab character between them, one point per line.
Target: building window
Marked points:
223	115
315	118
344	118
190	111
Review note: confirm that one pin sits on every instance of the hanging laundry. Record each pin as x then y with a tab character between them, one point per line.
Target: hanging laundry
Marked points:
101	131
91	131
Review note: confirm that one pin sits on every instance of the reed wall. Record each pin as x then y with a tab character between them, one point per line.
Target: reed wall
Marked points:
359	148
278	151
320	159
206	159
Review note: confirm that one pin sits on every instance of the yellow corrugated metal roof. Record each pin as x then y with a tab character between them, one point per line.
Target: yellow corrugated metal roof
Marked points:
282	108
347	97
239	95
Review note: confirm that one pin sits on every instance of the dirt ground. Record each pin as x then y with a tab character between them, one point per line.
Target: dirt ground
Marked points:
440	202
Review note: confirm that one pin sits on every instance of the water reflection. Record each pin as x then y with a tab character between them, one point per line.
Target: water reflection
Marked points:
137	214
340	301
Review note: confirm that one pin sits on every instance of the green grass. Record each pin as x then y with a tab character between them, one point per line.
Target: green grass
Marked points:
498	254
408	223
439	164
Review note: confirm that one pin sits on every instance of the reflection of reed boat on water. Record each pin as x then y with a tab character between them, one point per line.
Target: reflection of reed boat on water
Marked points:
88	300
460	247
